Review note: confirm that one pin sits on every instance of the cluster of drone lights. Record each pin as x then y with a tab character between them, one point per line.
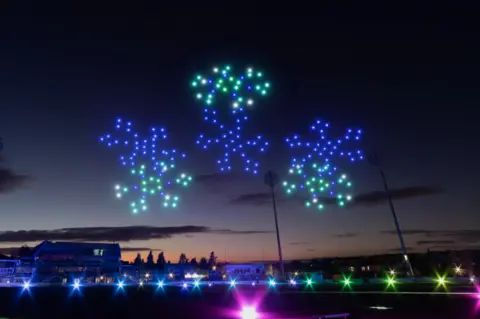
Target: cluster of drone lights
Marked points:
313	170
239	93
153	169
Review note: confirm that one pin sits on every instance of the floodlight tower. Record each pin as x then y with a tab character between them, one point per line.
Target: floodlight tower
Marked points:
376	162
271	179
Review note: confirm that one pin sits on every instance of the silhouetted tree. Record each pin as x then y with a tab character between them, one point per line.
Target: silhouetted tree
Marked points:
25	251
161	260
138	260
150	263
296	265
203	263
194	261
183	259
212	260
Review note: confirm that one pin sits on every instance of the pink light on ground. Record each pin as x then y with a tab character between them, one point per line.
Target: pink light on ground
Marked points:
249	312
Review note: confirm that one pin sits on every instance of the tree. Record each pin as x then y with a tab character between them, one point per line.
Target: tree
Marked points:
203	263
138	260
161	260
183	259
212	260
25	251
194	261
150	260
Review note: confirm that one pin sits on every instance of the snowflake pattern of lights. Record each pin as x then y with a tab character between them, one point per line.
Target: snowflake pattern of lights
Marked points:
314	170
154	170
240	93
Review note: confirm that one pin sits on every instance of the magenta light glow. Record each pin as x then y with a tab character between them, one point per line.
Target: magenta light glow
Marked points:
249	312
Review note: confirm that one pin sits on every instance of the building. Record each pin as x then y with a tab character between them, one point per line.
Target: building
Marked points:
93	262
8	267
245	271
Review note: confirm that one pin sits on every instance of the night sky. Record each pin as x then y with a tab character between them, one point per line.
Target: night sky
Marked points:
408	77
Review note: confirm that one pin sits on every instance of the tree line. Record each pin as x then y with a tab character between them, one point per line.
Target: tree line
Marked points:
160	263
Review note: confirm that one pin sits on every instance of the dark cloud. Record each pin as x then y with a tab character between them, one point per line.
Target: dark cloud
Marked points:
299	243
216	178
365	199
435	242
238	232
398	250
139	249
346	235
261	199
116	234
465	236
380	197
9	180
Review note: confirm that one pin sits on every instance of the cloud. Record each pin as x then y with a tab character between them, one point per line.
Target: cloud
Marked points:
435	242
238	232
373	198
398	250
310	249
346	235
464	236
117	234
139	249
299	243
10	181
380	197
216	178
261	199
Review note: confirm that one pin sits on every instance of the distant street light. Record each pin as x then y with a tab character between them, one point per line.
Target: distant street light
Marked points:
376	162
271	179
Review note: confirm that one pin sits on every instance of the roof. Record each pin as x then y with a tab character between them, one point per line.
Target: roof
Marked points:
54	245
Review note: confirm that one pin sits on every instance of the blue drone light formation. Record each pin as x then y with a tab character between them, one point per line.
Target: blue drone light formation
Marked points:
314	170
153	169
240	93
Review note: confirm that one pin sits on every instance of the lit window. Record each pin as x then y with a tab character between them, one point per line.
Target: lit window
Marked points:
98	252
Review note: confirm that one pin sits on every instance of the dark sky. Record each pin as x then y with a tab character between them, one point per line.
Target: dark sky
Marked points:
409	77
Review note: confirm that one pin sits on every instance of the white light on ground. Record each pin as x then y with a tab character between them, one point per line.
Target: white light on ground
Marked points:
249	313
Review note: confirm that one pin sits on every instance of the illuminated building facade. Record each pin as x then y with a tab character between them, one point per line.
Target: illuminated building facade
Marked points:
95	262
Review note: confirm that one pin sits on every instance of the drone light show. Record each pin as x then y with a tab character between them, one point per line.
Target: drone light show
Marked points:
152	167
313	171
239	94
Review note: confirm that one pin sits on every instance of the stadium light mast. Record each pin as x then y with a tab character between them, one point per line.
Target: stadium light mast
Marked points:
376	162
271	179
